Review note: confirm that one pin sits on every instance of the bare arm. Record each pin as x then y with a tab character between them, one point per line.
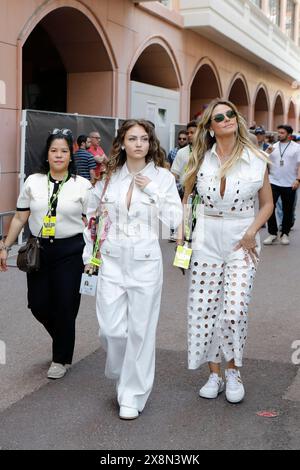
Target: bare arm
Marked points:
296	183
19	220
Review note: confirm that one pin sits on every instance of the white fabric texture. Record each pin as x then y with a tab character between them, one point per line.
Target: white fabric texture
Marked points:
221	281
284	175
180	163
72	203
130	278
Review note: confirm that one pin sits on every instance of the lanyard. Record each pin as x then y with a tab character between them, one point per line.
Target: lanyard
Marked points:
99	236
282	153
55	196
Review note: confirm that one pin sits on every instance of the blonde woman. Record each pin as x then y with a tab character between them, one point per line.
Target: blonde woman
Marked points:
229	172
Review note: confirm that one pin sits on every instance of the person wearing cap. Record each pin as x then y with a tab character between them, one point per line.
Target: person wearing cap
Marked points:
261	138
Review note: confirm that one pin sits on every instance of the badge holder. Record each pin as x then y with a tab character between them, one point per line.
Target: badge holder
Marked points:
88	285
184	252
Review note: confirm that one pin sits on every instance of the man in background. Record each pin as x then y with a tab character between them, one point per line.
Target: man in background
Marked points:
98	153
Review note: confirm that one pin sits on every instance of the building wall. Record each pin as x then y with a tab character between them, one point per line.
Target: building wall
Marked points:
125	31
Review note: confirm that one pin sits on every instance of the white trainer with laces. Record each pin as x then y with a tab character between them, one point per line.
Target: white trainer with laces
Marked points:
213	386
56	371
235	391
284	240
270	240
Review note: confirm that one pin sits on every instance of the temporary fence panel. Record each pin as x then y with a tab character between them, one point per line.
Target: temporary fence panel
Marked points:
39	124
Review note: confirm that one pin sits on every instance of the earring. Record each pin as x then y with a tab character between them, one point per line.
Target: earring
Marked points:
212	133
123	148
70	161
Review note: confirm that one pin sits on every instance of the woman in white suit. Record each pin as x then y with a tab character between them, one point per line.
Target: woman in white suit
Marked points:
139	193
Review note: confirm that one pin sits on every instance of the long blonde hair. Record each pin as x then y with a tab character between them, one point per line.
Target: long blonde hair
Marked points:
203	142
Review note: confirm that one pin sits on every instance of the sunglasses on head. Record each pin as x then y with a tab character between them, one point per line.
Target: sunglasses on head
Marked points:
220	117
61	131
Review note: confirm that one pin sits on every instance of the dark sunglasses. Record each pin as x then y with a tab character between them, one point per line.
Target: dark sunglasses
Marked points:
220	117
61	131
182	138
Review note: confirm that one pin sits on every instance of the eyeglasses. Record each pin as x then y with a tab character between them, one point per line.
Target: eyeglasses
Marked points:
94	137
220	117
182	138
61	131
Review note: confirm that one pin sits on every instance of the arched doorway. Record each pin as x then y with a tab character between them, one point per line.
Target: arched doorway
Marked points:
155	90
292	116
239	95
205	87
278	112
66	66
261	108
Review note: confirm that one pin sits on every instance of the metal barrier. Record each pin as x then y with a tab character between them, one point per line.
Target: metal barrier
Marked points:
2	215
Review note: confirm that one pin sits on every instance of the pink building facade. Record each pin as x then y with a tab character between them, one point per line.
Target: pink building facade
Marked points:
87	57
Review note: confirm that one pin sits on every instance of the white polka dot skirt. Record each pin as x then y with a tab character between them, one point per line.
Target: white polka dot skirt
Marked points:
219	295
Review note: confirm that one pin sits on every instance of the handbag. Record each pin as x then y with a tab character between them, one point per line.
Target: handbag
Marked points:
28	259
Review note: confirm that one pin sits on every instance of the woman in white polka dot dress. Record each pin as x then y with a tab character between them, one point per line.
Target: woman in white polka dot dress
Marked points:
229	172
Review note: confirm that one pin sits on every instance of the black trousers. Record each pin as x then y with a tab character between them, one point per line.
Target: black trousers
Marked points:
53	293
288	199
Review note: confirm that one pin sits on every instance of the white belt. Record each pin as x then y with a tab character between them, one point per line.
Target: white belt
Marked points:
227	215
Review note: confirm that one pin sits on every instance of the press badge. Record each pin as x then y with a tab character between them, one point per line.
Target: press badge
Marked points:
88	284
49	224
183	257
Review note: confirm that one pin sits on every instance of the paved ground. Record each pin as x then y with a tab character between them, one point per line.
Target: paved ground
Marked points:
80	411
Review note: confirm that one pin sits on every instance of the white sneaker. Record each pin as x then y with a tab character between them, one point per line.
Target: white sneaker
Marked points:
213	386
235	391
284	240
270	240
127	412
56	371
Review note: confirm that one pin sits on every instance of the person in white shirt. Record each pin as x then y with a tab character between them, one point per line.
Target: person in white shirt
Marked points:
181	160
229	172
285	180
139	193
53	291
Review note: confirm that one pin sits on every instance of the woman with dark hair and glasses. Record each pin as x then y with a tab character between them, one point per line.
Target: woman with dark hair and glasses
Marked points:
229	172
139	193
53	201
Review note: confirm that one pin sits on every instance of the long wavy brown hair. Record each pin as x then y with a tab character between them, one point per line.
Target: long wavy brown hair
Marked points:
204	142
118	156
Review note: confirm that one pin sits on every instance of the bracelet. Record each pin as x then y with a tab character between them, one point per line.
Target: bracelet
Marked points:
4	247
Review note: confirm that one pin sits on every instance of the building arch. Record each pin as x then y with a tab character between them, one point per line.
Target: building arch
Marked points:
154	92
205	73
77	34
261	106
156	49
238	93
278	110
292	115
